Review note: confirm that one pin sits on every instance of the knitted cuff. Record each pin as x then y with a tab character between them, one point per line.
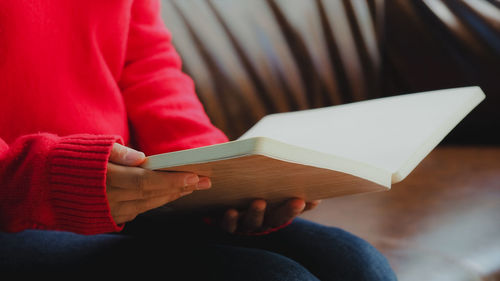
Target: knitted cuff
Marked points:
77	184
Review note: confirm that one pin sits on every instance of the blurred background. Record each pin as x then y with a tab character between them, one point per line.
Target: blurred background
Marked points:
250	58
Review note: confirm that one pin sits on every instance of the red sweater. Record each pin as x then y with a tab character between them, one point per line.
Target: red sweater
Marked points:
76	76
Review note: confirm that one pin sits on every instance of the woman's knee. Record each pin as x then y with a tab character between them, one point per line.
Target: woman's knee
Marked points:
359	260
342	255
365	261
256	264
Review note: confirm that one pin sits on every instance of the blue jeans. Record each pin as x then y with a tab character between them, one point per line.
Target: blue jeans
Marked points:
302	251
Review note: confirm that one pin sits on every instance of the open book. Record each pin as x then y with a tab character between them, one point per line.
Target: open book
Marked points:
320	153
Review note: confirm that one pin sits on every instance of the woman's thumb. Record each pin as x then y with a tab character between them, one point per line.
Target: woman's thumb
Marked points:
126	156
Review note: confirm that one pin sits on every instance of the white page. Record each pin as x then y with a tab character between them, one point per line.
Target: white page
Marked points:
385	133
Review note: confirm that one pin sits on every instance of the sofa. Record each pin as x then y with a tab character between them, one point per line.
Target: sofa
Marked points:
252	58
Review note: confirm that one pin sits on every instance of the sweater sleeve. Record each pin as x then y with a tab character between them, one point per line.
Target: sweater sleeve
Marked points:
165	113
55	183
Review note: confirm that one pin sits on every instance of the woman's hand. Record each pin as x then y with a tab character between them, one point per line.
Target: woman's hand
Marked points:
132	190
258	219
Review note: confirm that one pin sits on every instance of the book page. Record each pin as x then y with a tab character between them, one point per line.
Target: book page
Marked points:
387	133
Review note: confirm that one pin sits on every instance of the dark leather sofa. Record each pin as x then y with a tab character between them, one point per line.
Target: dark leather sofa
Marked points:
250	58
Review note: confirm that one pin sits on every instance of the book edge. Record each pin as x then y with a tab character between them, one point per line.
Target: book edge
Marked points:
210	153
273	149
279	150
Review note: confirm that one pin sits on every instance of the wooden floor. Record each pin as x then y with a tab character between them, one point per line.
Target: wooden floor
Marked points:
441	223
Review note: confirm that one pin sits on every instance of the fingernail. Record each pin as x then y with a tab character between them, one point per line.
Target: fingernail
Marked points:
134	156
259	205
204	183
191	180
301	207
186	193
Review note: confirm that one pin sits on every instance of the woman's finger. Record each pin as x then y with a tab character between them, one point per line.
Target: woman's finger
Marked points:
116	194
230	220
311	205
127	156
146	180
130	209
285	213
254	217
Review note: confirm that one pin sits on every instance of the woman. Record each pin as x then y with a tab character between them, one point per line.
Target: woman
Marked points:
81	82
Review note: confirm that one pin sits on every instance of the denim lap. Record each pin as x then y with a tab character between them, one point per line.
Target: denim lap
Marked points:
302	251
